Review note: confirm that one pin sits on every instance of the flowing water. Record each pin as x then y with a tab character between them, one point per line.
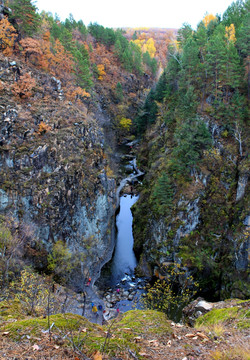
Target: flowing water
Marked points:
124	260
118	273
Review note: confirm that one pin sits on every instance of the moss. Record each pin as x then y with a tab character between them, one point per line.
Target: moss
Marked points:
150	321
238	315
122	331
11	310
66	322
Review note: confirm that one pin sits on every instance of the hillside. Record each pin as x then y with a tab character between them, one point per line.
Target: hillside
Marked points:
194	203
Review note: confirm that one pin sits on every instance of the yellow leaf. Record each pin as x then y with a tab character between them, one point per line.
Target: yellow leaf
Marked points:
97	356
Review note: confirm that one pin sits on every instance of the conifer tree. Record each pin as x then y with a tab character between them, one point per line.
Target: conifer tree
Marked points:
25	15
119	92
162	195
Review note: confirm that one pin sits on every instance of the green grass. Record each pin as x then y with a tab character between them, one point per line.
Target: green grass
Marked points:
237	315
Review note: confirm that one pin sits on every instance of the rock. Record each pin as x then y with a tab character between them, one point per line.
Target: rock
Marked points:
195	309
4	200
203	306
241	187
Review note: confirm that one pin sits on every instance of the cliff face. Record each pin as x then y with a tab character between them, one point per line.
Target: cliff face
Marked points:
54	168
206	226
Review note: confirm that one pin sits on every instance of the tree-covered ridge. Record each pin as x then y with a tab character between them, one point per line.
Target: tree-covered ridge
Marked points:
194	128
207	71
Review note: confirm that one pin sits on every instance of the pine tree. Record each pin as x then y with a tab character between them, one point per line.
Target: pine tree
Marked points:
119	92
25	16
162	195
82	69
216	59
243	44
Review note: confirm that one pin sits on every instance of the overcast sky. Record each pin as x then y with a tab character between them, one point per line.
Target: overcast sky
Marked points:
135	13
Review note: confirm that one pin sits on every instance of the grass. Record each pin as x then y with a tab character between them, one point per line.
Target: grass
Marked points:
230	354
238	315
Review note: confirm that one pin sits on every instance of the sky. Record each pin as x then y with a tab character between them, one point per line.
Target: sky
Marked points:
135	13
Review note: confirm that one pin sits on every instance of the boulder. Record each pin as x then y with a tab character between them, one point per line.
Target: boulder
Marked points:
195	309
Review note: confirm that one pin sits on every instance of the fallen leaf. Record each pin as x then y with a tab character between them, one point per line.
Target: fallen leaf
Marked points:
127	329
97	356
143	354
190	335
201	335
154	343
137	338
35	347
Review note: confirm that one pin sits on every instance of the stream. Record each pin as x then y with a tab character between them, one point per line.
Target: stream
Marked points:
118	285
124	260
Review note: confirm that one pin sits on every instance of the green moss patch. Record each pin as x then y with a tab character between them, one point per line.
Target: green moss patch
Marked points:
34	326
11	310
145	321
238	316
119	334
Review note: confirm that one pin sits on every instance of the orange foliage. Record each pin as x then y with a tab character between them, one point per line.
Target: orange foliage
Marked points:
7	36
62	61
101	71
208	18
56	60
76	94
23	87
230	33
46	36
31	47
43	128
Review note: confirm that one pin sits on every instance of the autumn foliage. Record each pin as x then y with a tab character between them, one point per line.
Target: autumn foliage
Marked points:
24	86
208	18
43	128
7	36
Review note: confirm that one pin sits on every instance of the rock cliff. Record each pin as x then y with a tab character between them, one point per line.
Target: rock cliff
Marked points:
206	228
54	170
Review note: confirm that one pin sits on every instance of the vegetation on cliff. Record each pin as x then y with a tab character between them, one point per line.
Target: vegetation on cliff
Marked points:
194	198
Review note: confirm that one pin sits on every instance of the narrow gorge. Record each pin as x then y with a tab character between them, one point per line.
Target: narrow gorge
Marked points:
124	187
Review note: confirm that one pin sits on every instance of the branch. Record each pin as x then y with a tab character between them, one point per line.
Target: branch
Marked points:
175	57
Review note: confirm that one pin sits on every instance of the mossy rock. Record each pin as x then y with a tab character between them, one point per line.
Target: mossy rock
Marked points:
237	316
34	326
145	321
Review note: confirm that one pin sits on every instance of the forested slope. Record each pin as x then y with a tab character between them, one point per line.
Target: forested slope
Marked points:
194	202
